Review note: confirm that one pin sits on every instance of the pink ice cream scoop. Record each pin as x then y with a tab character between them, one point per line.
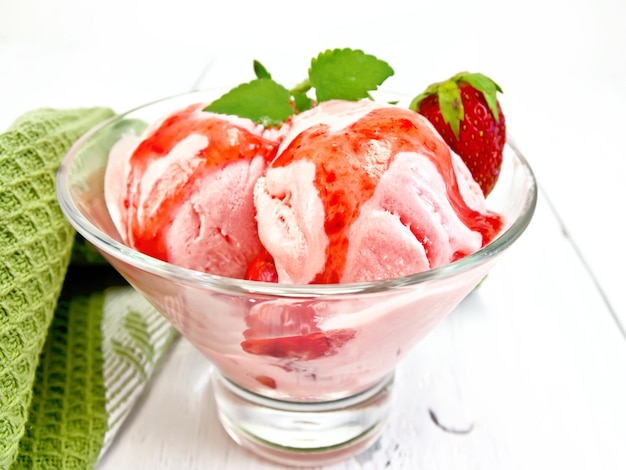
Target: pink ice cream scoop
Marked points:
363	191
182	192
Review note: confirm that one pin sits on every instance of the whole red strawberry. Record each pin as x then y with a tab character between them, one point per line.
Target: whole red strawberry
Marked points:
465	111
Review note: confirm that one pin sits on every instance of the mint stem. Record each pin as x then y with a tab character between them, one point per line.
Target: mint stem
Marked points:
301	87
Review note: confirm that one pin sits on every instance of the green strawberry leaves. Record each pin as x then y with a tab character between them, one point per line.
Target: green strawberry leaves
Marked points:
449	97
489	89
346	74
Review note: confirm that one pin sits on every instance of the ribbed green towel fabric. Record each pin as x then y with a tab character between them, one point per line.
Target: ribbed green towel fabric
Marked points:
75	349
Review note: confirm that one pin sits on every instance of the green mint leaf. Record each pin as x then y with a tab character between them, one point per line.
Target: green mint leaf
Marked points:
260	71
347	74
302	102
262	100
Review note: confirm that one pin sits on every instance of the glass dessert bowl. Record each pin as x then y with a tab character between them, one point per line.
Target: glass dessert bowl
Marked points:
303	374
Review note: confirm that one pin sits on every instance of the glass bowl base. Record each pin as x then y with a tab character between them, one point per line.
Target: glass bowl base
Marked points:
303	433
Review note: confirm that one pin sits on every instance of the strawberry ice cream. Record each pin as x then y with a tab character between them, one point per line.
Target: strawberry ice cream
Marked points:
314	237
363	191
345	192
182	192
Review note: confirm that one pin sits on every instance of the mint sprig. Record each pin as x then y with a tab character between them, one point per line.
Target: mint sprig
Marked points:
346	74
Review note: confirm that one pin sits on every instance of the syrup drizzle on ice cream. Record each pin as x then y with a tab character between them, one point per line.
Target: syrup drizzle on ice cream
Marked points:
189	190
345	192
351	164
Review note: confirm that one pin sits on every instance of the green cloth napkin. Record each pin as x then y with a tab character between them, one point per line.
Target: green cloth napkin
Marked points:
77	344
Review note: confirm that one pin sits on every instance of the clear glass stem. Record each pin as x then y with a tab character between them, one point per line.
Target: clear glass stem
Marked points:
303	433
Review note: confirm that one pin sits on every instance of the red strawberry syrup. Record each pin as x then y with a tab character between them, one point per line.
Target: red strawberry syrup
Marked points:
352	163
228	143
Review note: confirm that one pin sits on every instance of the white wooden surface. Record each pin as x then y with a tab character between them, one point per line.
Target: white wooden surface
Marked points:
534	363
